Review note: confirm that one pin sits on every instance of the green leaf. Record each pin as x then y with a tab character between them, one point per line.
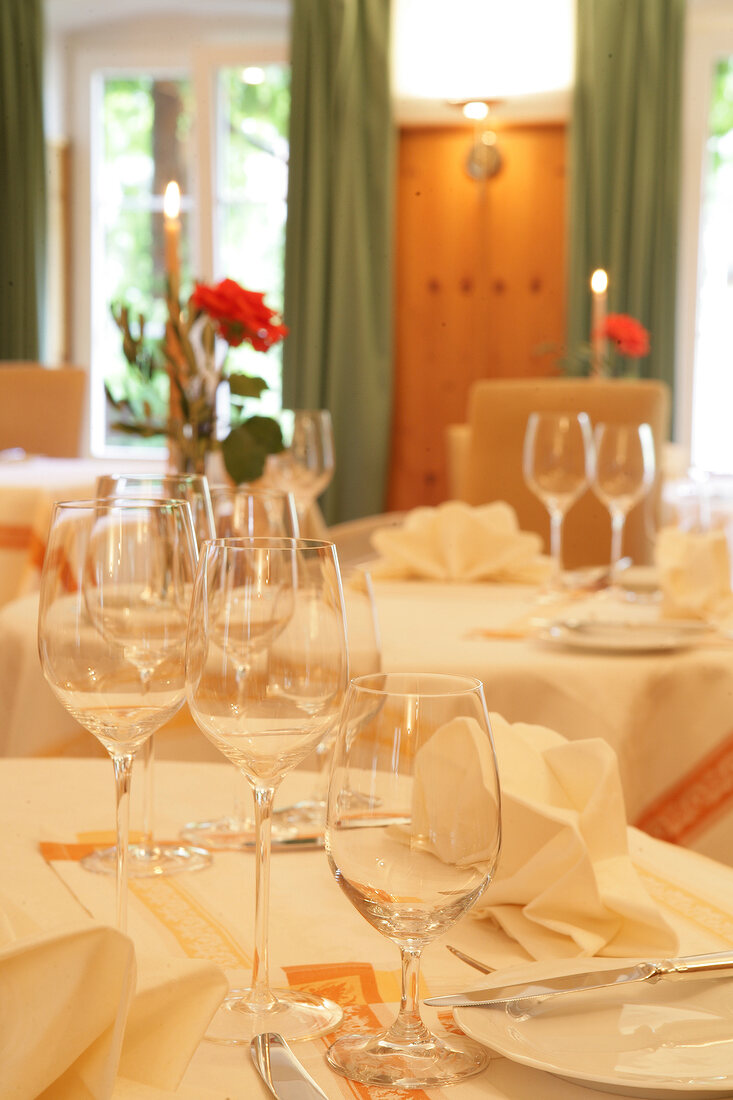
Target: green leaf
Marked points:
248	445
244	385
267	433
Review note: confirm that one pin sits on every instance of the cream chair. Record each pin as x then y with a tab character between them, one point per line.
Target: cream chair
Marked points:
487	456
41	408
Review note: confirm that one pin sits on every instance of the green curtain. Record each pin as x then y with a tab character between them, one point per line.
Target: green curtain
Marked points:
22	180
338	254
625	167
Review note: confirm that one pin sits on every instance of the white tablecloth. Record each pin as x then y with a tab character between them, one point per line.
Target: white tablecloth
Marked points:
669	716
51	811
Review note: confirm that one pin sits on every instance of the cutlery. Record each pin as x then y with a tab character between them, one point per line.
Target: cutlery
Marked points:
470	960
691	966
281	1071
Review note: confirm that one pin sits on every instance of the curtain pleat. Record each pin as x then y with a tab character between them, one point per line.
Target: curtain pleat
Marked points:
22	180
625	167
338	254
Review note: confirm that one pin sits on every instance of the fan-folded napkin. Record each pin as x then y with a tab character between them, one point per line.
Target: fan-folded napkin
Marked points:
565	884
694	573
73	1016
457	542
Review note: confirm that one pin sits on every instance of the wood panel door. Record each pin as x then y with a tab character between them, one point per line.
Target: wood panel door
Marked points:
479	285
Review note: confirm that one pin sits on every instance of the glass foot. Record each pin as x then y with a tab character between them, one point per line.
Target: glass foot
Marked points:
295	1015
228	833
375	1060
146	861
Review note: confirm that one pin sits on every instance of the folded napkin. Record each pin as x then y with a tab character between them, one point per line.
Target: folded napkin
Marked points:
456	542
71	1018
694	573
565	884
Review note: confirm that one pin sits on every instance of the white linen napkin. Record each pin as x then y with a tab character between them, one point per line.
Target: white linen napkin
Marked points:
694	573
73	1017
457	542
565	884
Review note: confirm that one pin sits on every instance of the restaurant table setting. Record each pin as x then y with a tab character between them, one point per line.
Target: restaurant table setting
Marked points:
54	810
434	811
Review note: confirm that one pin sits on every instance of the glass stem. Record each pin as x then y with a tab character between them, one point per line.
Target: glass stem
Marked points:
556	522
618	520
123	774
260	994
408	1027
148	759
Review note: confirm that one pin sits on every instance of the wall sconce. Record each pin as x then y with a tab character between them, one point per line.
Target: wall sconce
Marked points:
483	159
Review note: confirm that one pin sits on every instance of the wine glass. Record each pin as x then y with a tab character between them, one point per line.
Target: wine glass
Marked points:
241	511
624	473
557	463
412	837
148	856
266	671
306	819
115	591
306	467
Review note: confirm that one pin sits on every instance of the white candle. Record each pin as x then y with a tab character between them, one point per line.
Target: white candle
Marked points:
599	289
171	210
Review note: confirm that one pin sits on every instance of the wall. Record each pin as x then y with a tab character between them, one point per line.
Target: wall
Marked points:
479	284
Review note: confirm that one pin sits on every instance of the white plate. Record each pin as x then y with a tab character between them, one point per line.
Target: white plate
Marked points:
622	636
670	1039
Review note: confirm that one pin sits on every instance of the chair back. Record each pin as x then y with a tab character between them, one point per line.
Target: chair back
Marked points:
498	410
41	408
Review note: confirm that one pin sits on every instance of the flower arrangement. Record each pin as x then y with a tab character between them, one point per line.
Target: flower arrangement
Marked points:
193	356
617	335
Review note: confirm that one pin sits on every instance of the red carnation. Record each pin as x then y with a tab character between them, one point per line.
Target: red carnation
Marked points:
629	337
239	314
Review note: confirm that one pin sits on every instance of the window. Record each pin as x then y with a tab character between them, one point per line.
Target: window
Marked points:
705	325
146	130
711	443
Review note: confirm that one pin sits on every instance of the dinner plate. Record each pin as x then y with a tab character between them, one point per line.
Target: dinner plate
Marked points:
668	1040
621	635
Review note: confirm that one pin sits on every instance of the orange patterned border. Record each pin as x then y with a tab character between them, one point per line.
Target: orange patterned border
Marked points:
695	801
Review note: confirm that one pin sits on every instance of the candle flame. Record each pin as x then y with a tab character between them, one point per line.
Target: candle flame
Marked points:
476	110
172	200
599	281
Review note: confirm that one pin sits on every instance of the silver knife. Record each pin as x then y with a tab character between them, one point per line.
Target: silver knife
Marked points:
281	1071
718	964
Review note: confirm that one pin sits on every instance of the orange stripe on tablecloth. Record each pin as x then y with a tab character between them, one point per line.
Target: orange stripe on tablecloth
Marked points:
52	850
199	934
695	801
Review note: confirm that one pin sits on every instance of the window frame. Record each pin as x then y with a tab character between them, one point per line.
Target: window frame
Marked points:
708	39
174	59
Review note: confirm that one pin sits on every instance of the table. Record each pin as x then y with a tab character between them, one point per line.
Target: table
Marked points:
50	810
669	716
29	486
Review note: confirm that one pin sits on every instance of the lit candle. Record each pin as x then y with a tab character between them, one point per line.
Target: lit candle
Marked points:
171	210
599	288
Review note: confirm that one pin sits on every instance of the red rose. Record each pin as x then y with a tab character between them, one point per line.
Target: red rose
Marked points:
630	337
239	314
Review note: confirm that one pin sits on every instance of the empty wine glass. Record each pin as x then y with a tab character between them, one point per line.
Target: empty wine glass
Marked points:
241	511
624	473
412	836
557	463
148	856
306	467
115	591
266	671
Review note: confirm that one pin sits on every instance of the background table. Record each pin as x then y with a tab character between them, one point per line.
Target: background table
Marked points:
669	716
29	486
52	810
